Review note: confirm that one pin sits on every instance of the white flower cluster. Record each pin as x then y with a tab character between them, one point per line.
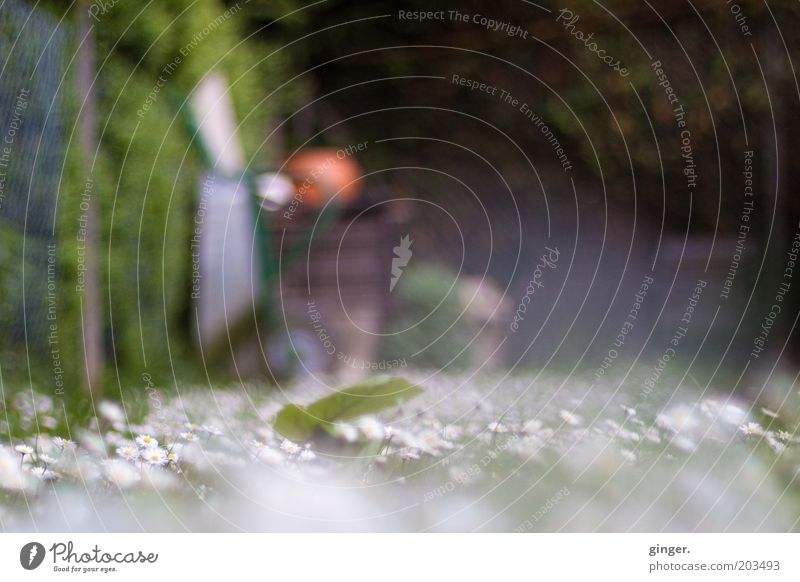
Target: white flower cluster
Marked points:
458	430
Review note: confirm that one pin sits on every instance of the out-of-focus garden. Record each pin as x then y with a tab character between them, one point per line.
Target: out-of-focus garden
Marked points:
267	265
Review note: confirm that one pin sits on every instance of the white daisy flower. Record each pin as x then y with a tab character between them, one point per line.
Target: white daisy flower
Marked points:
627	435
146	441
570	418
775	444
173	456
409	454
346	431
452	432
189	437
430	442
62	443
372	428
728	412
24	450
128	453
751	428
652	435
43	474
11	474
120	473
47	459
497	427
784	435
155	456
290	447
684	443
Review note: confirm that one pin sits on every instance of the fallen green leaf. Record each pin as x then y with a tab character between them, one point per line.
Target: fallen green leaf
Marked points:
300	423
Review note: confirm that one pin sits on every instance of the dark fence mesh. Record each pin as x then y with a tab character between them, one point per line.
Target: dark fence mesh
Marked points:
32	61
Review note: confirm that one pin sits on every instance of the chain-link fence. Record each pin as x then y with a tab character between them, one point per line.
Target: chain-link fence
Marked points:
32	145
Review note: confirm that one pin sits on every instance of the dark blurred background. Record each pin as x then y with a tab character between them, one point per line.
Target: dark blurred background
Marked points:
481	188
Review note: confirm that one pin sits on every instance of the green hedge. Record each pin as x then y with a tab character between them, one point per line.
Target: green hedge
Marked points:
147	172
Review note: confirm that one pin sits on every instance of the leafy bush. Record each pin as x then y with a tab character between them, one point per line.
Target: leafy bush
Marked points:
429	326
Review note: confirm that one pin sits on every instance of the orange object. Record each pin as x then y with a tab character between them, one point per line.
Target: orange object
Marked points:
322	173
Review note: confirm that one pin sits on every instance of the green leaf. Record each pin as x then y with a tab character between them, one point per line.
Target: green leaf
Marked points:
300	423
295	423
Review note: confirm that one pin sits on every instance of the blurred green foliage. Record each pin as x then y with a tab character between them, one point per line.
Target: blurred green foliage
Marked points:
146	173
430	326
